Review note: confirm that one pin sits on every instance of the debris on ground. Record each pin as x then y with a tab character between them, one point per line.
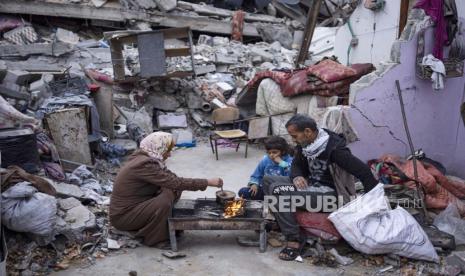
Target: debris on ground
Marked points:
79	91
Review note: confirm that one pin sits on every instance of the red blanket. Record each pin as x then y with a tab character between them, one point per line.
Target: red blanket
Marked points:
328	78
440	191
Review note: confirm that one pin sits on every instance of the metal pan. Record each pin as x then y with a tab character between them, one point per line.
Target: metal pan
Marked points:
224	196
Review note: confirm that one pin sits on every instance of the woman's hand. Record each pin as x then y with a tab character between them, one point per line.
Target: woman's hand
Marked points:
215	182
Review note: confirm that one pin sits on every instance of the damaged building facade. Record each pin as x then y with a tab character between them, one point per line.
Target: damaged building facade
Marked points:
83	82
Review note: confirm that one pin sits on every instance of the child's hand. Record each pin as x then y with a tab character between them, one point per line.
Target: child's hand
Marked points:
276	158
253	189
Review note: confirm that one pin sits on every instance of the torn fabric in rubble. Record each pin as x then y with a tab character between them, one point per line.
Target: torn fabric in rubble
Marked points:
439	71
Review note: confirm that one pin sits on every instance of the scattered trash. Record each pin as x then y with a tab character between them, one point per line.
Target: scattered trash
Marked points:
340	259
173	255
112	244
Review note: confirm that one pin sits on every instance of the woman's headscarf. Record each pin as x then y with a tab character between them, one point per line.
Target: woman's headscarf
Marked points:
157	144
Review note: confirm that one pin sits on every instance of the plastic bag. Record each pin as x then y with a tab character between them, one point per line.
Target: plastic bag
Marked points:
449	221
368	224
26	210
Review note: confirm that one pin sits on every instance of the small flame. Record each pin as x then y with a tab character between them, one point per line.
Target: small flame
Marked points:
234	208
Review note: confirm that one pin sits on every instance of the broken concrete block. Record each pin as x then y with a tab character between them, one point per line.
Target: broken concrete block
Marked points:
457	259
166	5
80	218
271	33
204	69
257	60
194	101
276	47
41	85
222	68
127	144
205	39
14	91
99	3
297	40
225	59
163	102
21	35
224	87
172	120
67	36
220	41
147	4
182	136
266	56
67	190
68	203
18	77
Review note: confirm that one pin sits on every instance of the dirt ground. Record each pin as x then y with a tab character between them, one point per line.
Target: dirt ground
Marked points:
213	252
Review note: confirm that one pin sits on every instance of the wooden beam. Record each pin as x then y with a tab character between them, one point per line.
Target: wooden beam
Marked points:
116	13
176	52
49	49
404	8
308	32
210	10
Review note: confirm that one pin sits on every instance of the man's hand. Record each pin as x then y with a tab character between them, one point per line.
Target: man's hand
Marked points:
253	189
300	182
215	182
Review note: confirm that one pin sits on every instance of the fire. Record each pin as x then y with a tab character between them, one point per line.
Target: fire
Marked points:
234	208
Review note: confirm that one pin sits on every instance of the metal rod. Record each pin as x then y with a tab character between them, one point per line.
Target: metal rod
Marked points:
412	151
312	17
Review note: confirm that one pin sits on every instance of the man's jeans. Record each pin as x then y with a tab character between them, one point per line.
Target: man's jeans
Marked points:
281	188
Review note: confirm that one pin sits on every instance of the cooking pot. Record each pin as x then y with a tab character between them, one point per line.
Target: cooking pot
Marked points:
224	196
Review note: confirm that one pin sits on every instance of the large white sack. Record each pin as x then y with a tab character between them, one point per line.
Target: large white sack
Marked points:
370	226
26	210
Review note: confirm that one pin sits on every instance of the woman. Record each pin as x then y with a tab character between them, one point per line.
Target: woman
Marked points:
145	190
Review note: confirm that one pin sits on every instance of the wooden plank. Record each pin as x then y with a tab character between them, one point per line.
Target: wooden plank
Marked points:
308	32
404	9
116	13
209	10
49	49
68	128
176	52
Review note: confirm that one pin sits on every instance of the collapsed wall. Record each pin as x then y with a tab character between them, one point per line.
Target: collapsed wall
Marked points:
433	116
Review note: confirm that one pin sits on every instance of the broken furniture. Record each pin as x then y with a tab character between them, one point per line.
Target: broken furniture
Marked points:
207	214
151	50
227	117
69	130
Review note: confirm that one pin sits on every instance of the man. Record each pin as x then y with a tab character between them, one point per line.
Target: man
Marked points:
323	168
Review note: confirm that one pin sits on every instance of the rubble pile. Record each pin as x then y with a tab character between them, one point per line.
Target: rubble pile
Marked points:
68	120
70	226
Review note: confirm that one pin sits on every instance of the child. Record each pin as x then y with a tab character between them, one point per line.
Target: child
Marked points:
276	162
